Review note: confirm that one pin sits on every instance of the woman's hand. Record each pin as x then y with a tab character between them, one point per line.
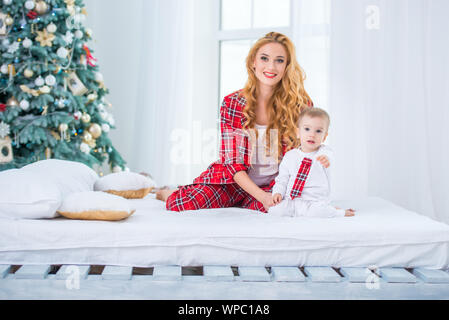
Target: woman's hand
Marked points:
324	160
277	197
267	200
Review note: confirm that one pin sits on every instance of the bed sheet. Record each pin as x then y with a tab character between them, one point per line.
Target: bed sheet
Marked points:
381	234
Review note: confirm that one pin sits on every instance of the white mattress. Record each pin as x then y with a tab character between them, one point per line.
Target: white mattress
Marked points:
381	234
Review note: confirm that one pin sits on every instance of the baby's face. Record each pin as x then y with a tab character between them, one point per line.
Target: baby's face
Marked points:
312	133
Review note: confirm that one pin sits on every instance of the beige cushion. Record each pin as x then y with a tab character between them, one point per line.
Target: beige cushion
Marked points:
95	205
128	185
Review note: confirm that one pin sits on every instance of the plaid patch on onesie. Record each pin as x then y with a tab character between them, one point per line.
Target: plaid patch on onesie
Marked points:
301	178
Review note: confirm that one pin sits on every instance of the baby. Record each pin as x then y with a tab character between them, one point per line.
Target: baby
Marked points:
302	187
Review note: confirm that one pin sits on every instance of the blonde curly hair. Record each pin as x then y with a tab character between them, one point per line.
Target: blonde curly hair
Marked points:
288	100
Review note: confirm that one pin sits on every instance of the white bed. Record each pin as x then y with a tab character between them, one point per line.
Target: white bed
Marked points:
381	234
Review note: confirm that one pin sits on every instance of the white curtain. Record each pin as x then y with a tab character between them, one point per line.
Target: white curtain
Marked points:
157	58
164	91
389	102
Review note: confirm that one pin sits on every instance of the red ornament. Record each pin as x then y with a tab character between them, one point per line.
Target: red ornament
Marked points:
32	14
2	107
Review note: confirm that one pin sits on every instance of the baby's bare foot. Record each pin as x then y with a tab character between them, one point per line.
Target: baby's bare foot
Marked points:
349	213
164	193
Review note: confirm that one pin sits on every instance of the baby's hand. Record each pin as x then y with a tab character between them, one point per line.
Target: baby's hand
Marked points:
349	213
277	197
324	160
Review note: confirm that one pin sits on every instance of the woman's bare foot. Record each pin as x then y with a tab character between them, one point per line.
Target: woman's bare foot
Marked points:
164	193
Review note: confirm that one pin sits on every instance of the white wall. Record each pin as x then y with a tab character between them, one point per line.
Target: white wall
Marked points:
116	46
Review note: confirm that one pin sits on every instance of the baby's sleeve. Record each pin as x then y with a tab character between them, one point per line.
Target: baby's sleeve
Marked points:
281	180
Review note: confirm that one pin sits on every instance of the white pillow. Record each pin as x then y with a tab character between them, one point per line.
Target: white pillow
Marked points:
37	190
95	205
27	195
129	185
68	176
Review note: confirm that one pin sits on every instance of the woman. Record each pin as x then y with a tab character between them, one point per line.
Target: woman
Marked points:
270	103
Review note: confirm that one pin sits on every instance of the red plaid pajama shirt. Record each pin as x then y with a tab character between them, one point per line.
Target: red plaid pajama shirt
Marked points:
215	187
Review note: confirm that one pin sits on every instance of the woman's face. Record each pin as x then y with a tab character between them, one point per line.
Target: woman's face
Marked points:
269	63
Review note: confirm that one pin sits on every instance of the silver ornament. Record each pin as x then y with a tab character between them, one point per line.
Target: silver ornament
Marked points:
4	69
84	147
29	5
26	43
105	127
39	81
24	105
50	80
52	28
62	52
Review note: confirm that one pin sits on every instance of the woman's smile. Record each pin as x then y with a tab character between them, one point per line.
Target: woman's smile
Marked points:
269	75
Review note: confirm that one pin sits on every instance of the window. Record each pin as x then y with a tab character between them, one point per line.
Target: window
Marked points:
242	23
306	22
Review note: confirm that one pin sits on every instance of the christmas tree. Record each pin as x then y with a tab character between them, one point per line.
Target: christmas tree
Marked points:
52	96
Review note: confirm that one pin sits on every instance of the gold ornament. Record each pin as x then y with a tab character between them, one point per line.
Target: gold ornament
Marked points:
12	102
85	118
92	97
87	136
45	38
11	70
83	60
33	92
70	6
63	127
63	132
101	85
57	69
48	153
95	130
44	89
55	135
28	73
9	21
41	7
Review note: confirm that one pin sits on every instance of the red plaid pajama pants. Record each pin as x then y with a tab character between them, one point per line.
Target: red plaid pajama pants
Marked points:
207	196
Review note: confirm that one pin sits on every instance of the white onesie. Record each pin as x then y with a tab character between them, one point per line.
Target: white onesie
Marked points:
315	197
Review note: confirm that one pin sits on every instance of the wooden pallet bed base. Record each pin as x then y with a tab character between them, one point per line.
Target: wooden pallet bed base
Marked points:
219	282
